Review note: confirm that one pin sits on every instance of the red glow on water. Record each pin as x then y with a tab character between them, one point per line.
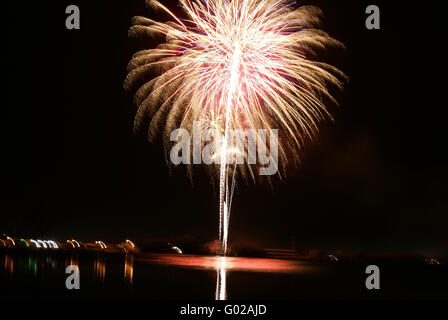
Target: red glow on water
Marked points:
229	263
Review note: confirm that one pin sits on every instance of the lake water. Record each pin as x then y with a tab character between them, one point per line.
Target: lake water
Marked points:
171	276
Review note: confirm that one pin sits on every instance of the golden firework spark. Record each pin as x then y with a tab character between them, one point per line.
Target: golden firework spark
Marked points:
239	64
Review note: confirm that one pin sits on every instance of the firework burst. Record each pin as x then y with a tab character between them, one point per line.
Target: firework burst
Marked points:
234	64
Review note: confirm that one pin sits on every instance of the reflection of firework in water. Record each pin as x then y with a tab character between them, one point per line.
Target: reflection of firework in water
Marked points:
235	64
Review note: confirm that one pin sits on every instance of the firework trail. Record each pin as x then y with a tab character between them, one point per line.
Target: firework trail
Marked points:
234	64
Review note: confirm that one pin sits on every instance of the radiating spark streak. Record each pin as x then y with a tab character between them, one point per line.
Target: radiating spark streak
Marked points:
240	64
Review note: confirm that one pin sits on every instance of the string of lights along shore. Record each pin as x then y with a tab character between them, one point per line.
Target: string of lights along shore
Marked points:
234	65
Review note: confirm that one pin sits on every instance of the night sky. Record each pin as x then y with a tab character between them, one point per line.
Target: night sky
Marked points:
75	169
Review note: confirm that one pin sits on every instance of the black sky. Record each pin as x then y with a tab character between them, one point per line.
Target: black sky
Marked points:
76	169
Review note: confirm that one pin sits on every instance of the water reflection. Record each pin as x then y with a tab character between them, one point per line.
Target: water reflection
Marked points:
32	265
221	274
9	265
223	265
99	267
72	260
121	266
50	262
35	264
129	267
231	263
29	264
